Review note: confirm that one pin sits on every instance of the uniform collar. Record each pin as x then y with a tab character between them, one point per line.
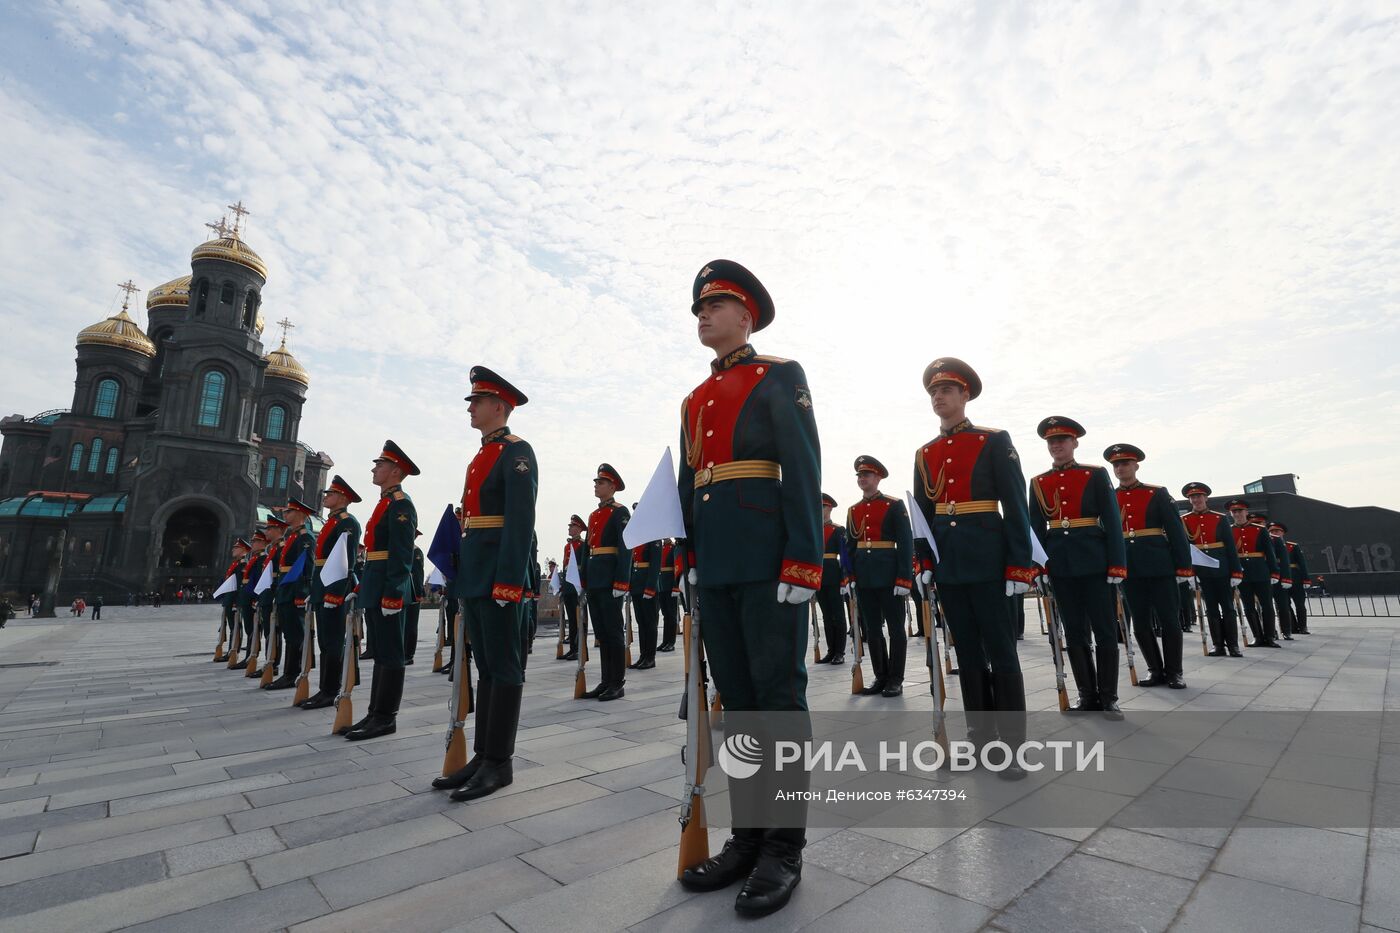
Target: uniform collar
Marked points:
389	491
495	435
738	356
338	514
963	425
1135	485
1073	464
608	503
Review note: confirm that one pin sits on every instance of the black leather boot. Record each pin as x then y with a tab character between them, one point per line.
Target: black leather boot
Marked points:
291	670
735	861
1009	694
1081	664
482	712
375	684
775	875
384	720
496	770
1106	657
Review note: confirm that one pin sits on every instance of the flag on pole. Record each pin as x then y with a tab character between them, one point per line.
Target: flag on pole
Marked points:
295	573
571	575
446	541
1038	554
921	528
265	581
1200	558
228	586
337	566
658	513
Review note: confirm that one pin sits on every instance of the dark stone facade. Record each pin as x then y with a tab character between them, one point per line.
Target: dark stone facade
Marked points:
171	444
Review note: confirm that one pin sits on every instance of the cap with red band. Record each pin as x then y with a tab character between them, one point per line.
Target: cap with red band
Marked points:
394	454
950	369
725	278
485	382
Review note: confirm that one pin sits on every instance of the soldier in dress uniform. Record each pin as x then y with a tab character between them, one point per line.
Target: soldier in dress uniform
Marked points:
266	600
607	581
1074	513
494	563
568	593
1258	562
1210	531
1281	586
834	586
246	601
668	582
292	594
984	553
1158	556
328	601
1298	574
749	487
882	543
229	601
386	586
643	585
411	608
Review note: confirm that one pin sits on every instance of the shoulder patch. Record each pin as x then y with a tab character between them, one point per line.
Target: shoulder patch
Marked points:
804	398
400	495
771	359
978	427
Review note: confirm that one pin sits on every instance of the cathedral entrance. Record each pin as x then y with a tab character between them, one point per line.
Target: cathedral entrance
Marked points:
189	553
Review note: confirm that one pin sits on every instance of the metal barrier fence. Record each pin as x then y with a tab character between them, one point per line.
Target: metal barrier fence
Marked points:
1368	606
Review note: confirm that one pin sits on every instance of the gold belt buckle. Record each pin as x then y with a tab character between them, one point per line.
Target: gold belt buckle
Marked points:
1064	523
1132	534
702	476
952	508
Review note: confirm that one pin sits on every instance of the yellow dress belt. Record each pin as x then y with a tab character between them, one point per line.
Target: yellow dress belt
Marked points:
485	521
641	565
830	556
1213	544
868	545
377	555
601	550
320	562
738	469
1090	522
1145	532
1251	554
965	508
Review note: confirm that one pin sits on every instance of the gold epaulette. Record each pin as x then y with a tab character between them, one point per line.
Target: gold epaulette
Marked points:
400	495
511	438
771	359
978	427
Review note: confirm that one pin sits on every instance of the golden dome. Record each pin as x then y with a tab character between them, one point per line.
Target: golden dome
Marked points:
231	249
282	364
175	293
119	330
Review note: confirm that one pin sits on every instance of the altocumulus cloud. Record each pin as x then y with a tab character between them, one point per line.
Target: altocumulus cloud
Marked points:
1174	226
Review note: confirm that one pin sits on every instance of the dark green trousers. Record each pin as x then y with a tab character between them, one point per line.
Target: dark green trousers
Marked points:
385	635
330	637
495	634
757	647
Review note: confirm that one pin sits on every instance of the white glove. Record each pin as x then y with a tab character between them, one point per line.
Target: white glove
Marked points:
1115	581
1016	588
692	576
648	596
791	593
1192	583
901	591
501	603
1235	581
388	612
328	605
618	594
1287	585
846	589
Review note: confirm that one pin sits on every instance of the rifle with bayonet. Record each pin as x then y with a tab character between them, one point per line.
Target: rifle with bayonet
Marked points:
698	752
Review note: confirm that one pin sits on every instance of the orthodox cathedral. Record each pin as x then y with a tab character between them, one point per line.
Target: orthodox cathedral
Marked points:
178	440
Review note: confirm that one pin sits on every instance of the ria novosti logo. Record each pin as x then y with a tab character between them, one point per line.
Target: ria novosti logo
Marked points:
740	756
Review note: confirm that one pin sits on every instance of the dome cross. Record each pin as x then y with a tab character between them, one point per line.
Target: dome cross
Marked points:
130	288
239	212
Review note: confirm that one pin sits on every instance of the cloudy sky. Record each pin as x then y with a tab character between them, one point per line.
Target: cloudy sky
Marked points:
1177	225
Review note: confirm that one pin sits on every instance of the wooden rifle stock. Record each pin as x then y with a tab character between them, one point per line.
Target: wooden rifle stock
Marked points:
816	633
308	655
237	644
344	706
935	671
1056	649
274	650
1123	630
858	647
455	758
580	682
695	837
1201	620
219	648
252	669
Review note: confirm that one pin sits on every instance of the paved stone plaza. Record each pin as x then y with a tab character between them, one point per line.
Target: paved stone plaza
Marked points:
143	786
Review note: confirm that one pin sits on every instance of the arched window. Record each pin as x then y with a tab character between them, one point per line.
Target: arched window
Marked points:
107	393
95	458
271	473
75	463
211	400
226	294
112	461
250	308
276	422
201	300
282	480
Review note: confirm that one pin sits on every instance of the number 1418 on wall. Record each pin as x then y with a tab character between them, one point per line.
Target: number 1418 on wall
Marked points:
1363	558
